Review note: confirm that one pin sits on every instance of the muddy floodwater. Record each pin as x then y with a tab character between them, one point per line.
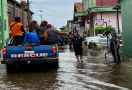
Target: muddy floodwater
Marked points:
94	73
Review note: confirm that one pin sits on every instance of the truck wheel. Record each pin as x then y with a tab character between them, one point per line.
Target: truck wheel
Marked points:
10	68
56	64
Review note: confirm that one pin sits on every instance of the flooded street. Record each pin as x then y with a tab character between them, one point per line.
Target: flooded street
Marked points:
94	73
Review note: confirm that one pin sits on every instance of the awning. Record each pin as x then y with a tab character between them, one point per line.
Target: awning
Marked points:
102	9
79	14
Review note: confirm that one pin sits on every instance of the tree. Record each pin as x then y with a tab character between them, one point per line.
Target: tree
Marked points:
63	29
103	30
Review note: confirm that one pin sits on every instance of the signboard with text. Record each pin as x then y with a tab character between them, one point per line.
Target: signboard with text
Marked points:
99	22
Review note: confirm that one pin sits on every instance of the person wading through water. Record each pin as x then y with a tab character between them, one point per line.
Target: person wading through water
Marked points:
114	47
78	46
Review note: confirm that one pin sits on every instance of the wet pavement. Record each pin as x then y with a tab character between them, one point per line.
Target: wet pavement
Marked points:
94	73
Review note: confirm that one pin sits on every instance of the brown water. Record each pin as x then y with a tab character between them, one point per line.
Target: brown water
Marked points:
95	73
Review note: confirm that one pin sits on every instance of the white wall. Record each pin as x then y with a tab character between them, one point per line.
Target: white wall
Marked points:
110	18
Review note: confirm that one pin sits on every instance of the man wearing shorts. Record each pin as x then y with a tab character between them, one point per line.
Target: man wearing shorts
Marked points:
78	46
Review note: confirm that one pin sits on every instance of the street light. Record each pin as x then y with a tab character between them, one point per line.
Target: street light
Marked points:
41	16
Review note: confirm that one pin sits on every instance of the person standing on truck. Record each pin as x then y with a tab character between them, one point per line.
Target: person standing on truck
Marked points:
42	28
17	31
31	37
51	35
40	31
78	46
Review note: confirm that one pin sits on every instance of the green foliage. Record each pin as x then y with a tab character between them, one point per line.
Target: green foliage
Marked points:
102	30
109	29
99	30
63	30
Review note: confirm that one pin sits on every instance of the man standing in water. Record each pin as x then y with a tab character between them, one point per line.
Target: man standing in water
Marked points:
78	46
114	47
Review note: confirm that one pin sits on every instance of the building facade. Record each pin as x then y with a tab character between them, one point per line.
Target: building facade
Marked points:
15	9
79	18
3	22
127	26
11	9
100	13
69	25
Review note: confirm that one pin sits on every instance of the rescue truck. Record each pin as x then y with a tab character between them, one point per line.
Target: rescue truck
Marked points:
29	54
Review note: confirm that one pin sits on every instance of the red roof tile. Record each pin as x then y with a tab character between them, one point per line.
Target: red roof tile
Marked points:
78	7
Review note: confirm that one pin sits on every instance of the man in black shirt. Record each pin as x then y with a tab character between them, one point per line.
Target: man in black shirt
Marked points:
78	46
114	47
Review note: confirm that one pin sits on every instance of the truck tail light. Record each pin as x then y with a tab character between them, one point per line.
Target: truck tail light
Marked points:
4	57
54	49
4	51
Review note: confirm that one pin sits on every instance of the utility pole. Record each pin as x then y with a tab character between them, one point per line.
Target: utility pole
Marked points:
2	23
117	17
101	11
14	14
28	7
118	27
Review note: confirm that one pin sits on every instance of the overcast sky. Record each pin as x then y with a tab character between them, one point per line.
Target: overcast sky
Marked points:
56	12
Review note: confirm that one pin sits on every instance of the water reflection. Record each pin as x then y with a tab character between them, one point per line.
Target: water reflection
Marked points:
29	80
121	75
91	74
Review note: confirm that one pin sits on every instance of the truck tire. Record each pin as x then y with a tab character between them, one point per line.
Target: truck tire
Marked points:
10	68
56	64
